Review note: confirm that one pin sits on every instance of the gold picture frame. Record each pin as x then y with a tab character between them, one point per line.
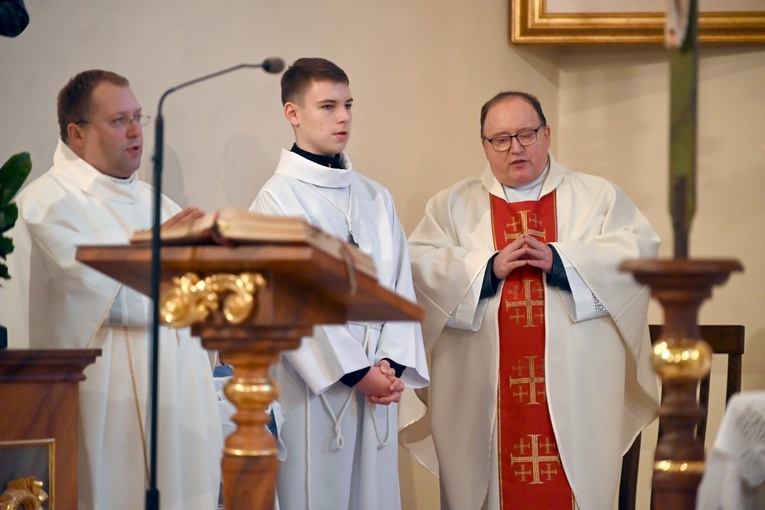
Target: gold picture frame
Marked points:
534	22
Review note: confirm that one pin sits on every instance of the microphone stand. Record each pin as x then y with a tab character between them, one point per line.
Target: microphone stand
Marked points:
272	65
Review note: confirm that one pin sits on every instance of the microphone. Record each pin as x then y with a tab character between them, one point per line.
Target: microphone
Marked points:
271	65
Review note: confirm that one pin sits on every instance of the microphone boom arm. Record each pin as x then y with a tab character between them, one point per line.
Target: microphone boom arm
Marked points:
270	65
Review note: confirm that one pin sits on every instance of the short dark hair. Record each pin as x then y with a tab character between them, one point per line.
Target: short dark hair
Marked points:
76	98
529	98
303	72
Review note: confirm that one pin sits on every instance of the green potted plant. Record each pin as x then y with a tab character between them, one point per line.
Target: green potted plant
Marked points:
12	176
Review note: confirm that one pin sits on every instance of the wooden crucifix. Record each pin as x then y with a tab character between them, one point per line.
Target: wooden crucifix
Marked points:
681	36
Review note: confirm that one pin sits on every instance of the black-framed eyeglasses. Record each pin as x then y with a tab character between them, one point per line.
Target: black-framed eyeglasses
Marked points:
123	121
503	143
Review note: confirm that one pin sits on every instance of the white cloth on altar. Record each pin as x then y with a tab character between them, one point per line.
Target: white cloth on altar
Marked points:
734	475
600	386
67	305
363	473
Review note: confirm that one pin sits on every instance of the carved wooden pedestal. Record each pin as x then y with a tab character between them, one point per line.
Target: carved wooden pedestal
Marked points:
39	399
249	463
682	359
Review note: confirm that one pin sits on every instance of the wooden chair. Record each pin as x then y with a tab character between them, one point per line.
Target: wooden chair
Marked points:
723	340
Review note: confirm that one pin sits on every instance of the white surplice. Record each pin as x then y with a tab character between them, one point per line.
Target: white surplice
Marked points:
601	390
67	305
734	473
342	450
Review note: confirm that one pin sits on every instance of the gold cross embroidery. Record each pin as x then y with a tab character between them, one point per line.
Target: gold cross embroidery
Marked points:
525	220
516	317
532	380
513	224
547	445
523	472
549	472
522	446
528	303
514	291
536	459
521	393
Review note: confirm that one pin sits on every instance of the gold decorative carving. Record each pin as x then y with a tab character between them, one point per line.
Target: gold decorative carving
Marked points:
682	358
191	299
251	395
680	466
23	493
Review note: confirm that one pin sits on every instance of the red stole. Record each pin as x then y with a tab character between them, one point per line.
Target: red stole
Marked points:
530	471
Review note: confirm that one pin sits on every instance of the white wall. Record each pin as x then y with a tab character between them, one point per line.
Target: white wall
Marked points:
419	72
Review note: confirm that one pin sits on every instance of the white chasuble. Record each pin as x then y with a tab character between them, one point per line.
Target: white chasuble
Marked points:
600	388
342	451
68	305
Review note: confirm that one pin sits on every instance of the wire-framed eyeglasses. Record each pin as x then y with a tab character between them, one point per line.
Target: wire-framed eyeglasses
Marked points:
503	143
123	121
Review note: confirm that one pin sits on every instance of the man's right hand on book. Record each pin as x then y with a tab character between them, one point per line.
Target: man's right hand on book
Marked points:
188	214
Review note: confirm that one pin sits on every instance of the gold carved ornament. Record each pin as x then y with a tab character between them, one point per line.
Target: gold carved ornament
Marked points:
23	493
681	358
191	299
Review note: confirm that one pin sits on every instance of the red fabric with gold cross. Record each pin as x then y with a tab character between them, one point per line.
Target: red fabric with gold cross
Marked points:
530	471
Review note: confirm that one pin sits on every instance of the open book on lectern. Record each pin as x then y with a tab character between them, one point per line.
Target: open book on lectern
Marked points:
234	227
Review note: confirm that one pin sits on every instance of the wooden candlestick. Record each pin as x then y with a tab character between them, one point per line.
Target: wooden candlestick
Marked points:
681	359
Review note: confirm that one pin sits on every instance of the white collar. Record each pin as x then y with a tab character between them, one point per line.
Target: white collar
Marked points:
71	167
528	191
295	165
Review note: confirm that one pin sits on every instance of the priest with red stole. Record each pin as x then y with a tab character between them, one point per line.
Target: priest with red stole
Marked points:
539	346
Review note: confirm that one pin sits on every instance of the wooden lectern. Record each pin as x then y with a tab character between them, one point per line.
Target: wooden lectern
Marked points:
251	302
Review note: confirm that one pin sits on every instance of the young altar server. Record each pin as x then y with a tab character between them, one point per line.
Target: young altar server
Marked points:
340	389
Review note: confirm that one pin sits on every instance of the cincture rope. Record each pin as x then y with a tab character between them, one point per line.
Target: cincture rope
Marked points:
308	447
336	419
381	442
132	373
103	317
137	402
350	268
347	215
370	408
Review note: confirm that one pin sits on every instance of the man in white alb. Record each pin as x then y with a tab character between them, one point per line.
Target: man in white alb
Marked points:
91	195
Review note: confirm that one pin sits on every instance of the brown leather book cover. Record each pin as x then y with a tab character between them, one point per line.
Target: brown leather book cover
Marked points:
233	227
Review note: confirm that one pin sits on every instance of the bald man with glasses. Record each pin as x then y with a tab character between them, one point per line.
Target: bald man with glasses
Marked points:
539	347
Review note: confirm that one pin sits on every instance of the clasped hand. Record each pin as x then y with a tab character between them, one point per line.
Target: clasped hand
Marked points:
524	250
380	385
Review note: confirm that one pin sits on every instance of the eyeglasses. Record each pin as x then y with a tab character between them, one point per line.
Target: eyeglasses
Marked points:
123	121
503	143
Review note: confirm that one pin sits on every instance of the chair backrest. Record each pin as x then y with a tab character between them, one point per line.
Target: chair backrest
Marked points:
727	339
